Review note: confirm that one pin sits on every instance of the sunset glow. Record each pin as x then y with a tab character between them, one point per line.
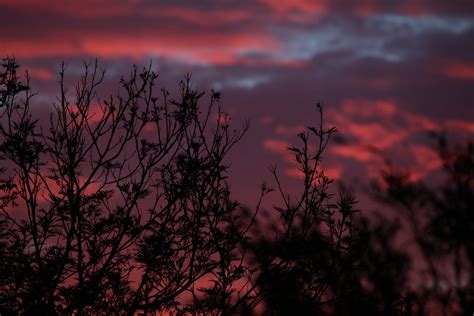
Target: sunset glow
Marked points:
394	78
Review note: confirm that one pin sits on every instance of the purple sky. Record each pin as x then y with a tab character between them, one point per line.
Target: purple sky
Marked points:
387	72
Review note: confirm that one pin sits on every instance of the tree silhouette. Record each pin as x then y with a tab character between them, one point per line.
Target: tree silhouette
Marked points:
440	220
308	259
121	206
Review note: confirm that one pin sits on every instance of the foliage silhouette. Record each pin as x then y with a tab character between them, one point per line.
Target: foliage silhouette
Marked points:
121	206
309	263
440	220
112	218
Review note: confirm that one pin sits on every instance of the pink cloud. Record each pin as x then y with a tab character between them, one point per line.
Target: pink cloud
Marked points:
426	158
267	120
378	123
461	125
333	173
365	8
352	151
200	17
289	130
363	108
313	6
76	8
279	147
460	71
95	112
223	119
294	173
417	122
150	127
385	126
276	146
39	73
376	134
195	47
386	107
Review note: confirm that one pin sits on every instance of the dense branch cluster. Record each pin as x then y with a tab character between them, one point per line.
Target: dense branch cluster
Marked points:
121	202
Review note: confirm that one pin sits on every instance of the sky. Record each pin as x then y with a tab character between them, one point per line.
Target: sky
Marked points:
387	72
